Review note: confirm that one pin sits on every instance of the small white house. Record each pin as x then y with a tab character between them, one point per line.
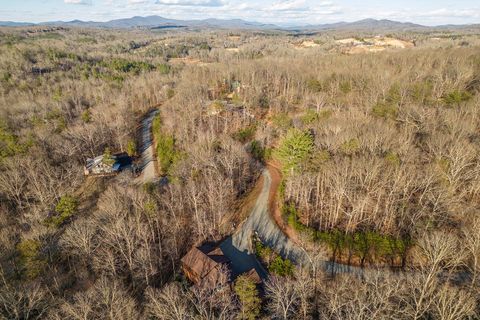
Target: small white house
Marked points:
97	166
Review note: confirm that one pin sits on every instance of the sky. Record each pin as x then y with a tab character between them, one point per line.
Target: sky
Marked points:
281	12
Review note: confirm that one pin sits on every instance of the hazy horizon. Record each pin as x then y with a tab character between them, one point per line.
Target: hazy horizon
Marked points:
280	12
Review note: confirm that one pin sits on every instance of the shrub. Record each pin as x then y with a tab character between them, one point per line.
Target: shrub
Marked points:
149	187
57	95
392	158
281	267
263	101
108	158
126	66
245	134
204	46
345	87
150	208
7	76
156	124
57	118
320	157
282	121
262	251
54	55
367	245
65	208
163	68
257	151
170	93
394	95
363	244
274	262
236	99
86	116
421	92
351	146
325	114
9	144
385	110
314	85
131	148
166	152
456	97
30	258
310	117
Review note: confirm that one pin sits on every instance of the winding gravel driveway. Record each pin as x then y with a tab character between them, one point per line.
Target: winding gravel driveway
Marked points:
238	247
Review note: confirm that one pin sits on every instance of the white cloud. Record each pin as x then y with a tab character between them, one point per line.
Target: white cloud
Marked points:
191	3
431	17
87	2
289	5
446	13
281	12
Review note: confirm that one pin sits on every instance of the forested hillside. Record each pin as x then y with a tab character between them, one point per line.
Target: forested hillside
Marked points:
379	155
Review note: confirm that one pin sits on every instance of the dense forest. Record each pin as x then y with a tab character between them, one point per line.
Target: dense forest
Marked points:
378	154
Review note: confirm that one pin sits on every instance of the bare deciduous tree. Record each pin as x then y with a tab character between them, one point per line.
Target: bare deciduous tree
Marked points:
170	303
284	298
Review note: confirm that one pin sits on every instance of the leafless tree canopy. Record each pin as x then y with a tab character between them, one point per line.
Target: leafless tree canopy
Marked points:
393	155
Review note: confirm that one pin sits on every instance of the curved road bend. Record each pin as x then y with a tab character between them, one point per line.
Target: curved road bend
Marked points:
238	247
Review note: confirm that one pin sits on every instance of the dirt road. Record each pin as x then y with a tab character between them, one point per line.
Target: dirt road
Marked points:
238	247
147	162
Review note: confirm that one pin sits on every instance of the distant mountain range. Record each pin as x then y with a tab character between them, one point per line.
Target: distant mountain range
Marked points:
150	22
15	24
367	24
157	22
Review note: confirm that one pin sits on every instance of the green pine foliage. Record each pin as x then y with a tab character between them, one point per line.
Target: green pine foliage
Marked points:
64	210
9	144
350	147
163	68
281	267
313	85
245	134
167	154
456	98
127	66
30	258
385	110
86	116
131	148
366	245
282	121
421	92
272	260
108	158
310	117
294	149
392	159
259	152
247	293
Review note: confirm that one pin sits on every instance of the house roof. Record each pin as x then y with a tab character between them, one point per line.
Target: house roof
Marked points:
121	160
206	261
198	262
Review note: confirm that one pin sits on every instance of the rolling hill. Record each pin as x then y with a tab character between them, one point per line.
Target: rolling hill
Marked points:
158	22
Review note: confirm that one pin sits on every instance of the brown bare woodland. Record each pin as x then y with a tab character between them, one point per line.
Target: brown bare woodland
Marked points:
396	152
